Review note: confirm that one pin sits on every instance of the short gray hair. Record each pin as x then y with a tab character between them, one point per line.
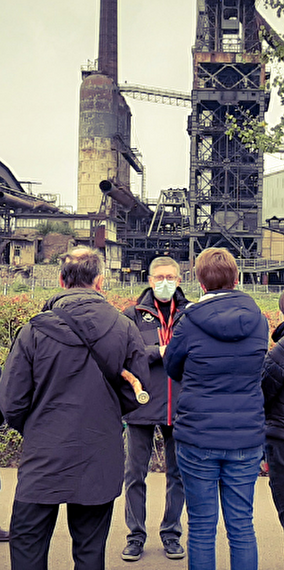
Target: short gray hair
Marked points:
163	261
81	266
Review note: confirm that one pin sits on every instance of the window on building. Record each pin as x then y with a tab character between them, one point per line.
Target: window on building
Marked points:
81	224
27	222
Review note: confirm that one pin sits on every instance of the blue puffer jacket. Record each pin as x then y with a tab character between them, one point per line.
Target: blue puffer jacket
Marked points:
217	350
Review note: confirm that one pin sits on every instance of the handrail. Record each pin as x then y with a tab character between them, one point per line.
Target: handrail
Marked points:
259	264
156	94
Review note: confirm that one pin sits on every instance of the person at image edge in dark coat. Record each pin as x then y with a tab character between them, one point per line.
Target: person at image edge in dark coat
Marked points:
4	534
273	389
54	393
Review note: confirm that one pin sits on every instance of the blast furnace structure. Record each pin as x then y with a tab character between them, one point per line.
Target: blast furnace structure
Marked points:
105	120
226	176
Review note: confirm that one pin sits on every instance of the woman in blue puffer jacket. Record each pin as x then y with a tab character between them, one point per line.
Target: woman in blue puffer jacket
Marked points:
217	351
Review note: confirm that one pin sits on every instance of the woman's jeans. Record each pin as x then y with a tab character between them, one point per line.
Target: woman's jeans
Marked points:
205	474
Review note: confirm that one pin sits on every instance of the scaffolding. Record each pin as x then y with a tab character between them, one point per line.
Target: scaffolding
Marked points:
226	176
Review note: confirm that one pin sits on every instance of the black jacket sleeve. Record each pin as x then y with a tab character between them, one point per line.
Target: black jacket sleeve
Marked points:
152	350
1	415
16	386
273	372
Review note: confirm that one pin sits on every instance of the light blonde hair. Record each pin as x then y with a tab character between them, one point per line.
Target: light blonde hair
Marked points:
163	261
281	302
216	268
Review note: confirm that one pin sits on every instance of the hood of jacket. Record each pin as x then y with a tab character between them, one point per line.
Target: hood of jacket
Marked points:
225	315
278	333
88	308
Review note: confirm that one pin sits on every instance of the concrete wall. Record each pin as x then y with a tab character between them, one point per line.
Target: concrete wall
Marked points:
22	252
272	245
273	195
55	244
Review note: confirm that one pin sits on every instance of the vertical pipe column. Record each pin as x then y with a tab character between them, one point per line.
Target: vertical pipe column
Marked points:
108	39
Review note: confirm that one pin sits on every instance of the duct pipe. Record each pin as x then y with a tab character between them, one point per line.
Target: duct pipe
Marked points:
124	197
27	204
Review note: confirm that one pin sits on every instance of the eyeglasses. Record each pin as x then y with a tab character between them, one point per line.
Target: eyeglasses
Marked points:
170	278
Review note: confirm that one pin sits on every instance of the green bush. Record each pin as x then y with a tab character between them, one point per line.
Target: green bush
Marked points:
157	462
45	228
18	309
10	447
20	288
14	312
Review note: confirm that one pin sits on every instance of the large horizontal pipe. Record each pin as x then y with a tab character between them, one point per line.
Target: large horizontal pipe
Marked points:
124	197
118	193
27	204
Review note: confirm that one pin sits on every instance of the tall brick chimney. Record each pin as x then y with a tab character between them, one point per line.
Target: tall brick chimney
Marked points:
104	116
108	39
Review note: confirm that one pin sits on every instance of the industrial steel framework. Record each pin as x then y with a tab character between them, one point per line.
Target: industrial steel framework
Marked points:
223	206
145	230
226	176
166	232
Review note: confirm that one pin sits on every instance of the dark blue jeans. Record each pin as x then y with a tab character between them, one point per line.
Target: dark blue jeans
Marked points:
139	449
275	460
206	474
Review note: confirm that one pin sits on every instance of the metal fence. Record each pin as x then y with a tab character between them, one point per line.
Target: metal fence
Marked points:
124	288
28	285
259	265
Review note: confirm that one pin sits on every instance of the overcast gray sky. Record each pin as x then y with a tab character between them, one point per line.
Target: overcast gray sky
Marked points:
44	44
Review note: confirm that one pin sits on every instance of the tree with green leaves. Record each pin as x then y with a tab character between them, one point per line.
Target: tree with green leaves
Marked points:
256	134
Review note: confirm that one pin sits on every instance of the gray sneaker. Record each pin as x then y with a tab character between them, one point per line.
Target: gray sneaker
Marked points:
173	549
133	550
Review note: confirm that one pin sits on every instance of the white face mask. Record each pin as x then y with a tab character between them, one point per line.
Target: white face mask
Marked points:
165	290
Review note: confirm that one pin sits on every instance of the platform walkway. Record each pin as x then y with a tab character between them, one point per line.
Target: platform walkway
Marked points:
269	532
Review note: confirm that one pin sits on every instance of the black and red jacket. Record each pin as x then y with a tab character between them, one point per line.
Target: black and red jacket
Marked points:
162	406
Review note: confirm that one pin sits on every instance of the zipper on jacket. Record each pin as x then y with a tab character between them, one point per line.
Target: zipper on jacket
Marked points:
169	406
169	399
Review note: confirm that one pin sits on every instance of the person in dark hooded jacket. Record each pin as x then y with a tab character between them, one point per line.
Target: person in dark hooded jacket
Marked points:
217	350
156	315
65	404
4	535
273	389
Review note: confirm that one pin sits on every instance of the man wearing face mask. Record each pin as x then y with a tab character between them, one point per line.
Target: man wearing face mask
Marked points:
156	313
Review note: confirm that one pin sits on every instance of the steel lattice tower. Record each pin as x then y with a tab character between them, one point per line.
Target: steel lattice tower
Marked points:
226	177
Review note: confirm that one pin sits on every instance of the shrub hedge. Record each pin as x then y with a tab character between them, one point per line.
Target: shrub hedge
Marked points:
16	310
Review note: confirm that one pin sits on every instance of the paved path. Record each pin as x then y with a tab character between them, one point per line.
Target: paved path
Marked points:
268	530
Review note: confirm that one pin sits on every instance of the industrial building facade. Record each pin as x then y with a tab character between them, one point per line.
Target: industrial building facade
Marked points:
223	203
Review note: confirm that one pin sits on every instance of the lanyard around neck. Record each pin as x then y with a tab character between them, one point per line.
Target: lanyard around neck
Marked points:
166	331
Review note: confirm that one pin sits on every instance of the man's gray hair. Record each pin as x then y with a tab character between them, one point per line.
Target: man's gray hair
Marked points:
80	266
163	261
